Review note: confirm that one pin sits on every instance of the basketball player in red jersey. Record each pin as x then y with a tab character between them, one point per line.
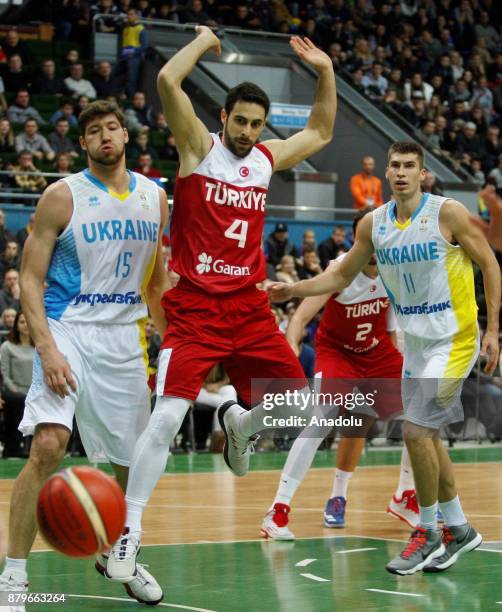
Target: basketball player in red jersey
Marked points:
355	339
216	313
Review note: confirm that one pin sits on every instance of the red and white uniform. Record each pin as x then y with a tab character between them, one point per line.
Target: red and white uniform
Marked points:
217	221
215	313
352	340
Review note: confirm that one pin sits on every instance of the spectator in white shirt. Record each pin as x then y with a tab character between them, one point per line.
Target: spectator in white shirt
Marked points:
77	84
30	140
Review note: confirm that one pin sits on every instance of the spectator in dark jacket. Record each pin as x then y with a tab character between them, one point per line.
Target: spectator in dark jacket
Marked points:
9	294
47	82
332	247
279	245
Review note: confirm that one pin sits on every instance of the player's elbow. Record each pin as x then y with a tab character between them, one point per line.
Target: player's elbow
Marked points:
165	80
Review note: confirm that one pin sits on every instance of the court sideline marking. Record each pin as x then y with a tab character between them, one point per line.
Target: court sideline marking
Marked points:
165	605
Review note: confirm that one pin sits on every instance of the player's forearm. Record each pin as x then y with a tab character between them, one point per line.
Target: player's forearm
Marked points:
183	62
322	116
492	286
330	281
32	303
294	333
153	298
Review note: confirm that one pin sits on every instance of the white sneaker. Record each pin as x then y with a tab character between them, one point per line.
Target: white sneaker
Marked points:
275	523
406	508
142	587
237	450
14	582
121	564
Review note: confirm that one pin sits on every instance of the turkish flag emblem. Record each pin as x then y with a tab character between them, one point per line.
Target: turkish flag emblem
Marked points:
244	171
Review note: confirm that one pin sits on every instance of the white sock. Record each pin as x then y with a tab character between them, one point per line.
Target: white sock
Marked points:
150	454
297	464
287	488
406	480
18	565
341	483
134	513
429	516
452	512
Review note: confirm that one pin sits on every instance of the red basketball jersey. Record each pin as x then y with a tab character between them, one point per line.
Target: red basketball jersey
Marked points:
217	220
358	318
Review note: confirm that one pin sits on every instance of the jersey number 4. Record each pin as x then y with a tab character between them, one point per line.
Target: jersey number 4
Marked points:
238	230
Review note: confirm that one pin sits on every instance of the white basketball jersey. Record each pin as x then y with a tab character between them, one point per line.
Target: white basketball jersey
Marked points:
103	260
430	282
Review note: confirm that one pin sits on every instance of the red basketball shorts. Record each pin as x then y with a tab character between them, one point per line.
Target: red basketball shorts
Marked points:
237	330
334	365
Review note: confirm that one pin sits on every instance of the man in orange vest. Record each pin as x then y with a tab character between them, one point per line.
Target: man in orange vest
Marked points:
366	188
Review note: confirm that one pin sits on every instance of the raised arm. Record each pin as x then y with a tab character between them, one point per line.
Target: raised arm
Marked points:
319	129
53	213
159	281
455	218
191	135
333	279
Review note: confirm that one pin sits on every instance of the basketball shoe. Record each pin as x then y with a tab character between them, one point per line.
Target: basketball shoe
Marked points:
423	546
237	450
142	587
275	523
406	508
14	582
334	513
457	541
121	565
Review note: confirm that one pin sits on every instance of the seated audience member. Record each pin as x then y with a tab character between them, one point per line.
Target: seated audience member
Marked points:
77	85
47	82
16	364
5	233
65	111
82	103
20	110
13	74
10	259
140	146
139	117
289	309
31	140
9	293
103	81
27	182
59	141
25	231
332	247
13	44
286	272
7	320
311	266
278	245
6	137
169	152
62	165
160	123
146	167
309	242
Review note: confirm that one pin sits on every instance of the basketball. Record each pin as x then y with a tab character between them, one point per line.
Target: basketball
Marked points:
81	511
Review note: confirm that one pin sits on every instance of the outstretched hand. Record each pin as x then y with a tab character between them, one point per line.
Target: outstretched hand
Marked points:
308	52
493	229
213	41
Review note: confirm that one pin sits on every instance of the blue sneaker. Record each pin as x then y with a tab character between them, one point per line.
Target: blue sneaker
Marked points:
334	514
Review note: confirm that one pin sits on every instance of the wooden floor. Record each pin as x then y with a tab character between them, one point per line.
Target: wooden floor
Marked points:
216	507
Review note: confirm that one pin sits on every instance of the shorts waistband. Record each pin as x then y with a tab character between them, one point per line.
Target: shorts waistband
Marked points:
186	285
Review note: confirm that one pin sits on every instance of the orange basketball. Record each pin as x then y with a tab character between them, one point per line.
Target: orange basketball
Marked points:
81	511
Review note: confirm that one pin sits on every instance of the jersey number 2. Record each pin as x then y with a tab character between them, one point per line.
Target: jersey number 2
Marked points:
238	231
363	331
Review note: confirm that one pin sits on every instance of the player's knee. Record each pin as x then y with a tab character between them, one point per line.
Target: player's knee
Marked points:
167	419
48	447
412	432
